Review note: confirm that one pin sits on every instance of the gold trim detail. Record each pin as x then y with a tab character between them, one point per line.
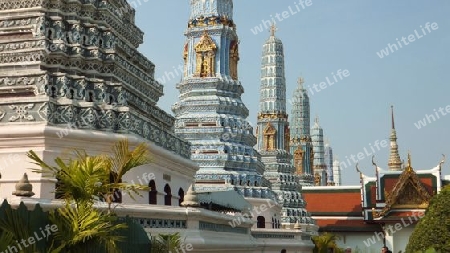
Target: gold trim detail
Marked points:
298	160
234	58
272	116
269	137
408	192
205	56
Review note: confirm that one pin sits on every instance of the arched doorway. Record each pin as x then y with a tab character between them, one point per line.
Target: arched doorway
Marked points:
181	196
153	194
261	222
168	196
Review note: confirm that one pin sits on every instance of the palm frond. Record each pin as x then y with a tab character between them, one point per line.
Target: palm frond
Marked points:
83	225
123	160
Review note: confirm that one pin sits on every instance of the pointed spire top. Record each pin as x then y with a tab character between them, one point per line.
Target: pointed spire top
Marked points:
316	120
392	114
300	82
409	159
273	29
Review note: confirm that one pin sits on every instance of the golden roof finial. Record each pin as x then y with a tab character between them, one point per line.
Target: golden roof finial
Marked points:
409	161
273	29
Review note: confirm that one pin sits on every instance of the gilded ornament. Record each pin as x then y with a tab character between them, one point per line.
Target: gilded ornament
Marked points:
205	57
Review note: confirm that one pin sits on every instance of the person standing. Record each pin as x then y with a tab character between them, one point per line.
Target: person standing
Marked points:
385	250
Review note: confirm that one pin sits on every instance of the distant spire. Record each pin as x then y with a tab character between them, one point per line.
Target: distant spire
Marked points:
395	163
392	114
273	29
300	82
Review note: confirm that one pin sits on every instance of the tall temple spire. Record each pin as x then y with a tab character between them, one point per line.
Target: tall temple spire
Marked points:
273	133
319	166
300	140
395	162
328	156
273	29
337	173
210	113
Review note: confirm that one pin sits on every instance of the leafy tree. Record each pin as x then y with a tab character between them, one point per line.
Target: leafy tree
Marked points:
86	178
83	179
324	242
433	230
166	243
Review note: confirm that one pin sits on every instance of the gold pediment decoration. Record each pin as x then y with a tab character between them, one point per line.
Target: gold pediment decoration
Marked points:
408	192
298	153
269	130
272	116
205	44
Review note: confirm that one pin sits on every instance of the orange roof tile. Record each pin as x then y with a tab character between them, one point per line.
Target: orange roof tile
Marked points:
333	202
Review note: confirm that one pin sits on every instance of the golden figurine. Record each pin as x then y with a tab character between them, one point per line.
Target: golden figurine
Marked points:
205	57
269	137
234	58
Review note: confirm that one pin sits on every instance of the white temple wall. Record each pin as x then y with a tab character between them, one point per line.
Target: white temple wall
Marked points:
15	141
365	242
401	238
266	208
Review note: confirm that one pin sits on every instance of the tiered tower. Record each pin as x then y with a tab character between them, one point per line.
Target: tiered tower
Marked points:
337	173
394	158
77	66
273	134
300	138
210	113
329	163
320	168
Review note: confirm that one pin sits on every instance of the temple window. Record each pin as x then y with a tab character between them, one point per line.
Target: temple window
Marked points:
152	199
261	222
181	196
168	196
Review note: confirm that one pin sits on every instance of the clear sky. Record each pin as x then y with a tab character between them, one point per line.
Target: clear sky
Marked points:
323	38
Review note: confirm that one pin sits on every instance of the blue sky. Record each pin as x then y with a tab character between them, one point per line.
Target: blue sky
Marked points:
318	41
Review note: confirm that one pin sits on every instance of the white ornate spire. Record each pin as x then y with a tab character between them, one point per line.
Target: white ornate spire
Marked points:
395	163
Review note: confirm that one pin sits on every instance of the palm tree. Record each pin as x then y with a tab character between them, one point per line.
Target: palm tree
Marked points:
165	243
324	242
86	178
82	180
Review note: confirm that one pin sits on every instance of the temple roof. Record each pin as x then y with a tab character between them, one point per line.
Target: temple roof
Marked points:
408	192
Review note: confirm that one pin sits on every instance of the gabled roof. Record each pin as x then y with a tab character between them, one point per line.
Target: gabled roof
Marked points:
408	192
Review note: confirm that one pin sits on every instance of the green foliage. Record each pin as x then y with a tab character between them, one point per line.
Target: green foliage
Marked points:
166	243
86	178
20	223
433	230
83	227
324	242
82	179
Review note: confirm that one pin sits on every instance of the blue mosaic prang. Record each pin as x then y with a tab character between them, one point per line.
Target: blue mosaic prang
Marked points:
273	124
210	113
300	139
328	156
319	167
101	82
207	8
